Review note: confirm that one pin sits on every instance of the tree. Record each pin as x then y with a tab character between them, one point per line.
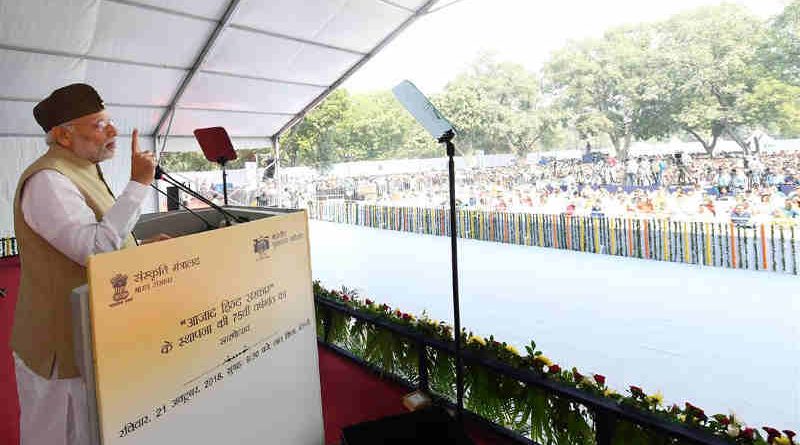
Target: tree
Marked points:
497	107
347	127
189	161
781	48
608	86
716	79
310	142
377	127
776	105
195	161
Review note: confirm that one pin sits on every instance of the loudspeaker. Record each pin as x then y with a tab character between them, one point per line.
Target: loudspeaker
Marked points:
173	198
432	425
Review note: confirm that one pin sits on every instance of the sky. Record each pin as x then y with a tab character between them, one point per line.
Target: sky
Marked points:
438	46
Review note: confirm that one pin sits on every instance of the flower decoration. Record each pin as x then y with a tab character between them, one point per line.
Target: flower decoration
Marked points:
512	350
694	414
600	379
476	340
730	427
656	399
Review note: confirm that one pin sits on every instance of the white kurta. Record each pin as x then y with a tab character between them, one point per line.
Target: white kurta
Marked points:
54	411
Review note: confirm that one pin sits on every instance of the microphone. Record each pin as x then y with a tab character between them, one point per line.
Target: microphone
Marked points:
162	174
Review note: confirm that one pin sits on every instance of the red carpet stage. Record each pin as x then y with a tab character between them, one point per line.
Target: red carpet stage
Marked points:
9	409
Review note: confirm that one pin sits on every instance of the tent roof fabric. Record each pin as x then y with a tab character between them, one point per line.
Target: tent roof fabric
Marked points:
251	66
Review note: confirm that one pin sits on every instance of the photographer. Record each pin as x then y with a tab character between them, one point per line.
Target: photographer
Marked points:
682	161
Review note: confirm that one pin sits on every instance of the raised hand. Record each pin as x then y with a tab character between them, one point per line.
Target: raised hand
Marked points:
143	163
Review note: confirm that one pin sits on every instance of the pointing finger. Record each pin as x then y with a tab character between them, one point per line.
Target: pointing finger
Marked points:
135	142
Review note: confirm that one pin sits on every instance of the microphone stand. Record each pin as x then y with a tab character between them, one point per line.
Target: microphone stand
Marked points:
209	226
163	175
426	114
222	162
447	139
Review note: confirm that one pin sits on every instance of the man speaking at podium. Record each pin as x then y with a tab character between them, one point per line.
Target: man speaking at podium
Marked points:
64	211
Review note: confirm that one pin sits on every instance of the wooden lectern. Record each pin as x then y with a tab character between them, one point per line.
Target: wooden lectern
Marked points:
206	338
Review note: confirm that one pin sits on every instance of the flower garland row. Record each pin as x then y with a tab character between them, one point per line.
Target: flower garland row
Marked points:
729	427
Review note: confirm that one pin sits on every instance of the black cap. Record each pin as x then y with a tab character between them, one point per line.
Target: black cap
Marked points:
67	103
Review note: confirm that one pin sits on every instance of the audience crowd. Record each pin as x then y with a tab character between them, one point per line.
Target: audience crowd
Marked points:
746	190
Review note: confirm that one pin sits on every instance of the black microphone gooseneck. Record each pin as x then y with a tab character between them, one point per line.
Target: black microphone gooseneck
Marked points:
163	175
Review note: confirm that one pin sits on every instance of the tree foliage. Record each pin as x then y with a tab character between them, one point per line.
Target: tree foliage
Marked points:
780	51
710	57
313	141
378	127
497	107
607	85
195	161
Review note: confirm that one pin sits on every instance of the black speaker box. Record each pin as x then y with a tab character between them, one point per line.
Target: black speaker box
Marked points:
173	198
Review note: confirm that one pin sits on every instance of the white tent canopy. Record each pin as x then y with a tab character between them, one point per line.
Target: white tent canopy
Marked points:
254	67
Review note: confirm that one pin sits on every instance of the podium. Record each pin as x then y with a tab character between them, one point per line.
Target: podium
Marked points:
206	338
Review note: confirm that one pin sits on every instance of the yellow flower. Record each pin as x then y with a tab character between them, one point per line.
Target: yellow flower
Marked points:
544	360
512	349
609	392
782	441
656	398
476	339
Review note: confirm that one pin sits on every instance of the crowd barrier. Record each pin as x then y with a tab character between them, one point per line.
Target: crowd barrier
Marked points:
8	247
771	247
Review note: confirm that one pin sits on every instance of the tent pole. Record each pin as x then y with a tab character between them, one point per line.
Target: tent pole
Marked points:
276	155
158	159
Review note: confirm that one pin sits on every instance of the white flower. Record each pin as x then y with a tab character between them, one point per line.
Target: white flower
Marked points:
733	430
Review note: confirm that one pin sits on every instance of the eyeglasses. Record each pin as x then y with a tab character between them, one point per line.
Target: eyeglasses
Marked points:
99	126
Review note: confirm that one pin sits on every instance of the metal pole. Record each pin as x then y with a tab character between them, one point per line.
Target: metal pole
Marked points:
276	155
156	199
224	184
422	366
447	140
